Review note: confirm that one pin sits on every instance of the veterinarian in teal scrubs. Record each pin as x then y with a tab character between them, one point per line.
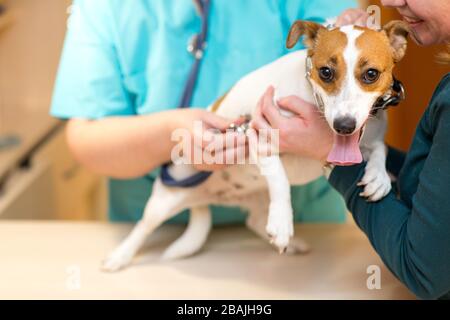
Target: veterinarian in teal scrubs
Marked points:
125	63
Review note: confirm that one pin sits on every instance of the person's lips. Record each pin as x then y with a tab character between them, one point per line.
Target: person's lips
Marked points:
412	21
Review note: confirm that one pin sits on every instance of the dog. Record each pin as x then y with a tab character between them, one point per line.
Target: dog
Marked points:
348	70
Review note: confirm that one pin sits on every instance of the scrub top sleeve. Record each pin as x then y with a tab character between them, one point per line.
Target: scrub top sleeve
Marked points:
89	82
320	10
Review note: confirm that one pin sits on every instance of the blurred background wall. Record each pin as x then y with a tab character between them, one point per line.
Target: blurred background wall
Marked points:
420	74
39	179
30	50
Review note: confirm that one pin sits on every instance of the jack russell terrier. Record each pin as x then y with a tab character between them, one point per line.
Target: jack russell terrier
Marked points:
349	77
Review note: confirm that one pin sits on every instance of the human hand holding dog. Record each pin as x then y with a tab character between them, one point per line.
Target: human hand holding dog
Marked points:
210	139
306	133
357	17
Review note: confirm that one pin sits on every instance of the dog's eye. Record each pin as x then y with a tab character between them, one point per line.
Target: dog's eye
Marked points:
326	74
370	76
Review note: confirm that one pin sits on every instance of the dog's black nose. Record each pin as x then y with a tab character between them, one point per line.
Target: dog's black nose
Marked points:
344	125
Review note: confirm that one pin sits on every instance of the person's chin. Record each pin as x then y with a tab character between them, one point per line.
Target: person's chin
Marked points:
422	35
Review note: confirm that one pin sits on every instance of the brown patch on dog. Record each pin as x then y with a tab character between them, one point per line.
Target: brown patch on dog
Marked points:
397	32
220	193
329	52
218	102
375	53
225	176
238	186
360	28
301	28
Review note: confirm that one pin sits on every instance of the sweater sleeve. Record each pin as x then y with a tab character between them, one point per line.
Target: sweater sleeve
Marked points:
395	160
413	241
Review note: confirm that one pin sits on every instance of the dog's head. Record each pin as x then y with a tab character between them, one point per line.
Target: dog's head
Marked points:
350	69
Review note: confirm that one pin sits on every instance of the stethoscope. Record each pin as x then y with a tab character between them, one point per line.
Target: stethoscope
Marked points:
196	47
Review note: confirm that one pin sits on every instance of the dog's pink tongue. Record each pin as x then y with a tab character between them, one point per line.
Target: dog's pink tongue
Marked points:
345	151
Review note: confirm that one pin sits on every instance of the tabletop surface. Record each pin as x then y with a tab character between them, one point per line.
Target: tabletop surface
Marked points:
60	260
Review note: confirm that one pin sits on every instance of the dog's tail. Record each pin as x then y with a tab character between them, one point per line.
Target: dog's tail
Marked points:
192	240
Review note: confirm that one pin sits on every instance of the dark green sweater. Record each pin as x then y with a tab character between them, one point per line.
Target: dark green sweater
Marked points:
410	227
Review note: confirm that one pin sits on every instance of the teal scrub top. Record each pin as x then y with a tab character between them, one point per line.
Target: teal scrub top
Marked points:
129	57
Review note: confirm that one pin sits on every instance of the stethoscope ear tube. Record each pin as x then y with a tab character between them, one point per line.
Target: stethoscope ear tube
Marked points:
196	47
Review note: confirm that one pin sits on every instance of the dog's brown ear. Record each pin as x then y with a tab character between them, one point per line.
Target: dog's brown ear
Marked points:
303	28
397	32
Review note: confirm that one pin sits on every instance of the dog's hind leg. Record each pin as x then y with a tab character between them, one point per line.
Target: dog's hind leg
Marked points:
194	237
162	205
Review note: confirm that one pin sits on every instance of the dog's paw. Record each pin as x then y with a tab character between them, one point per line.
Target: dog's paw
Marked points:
280	226
116	262
376	183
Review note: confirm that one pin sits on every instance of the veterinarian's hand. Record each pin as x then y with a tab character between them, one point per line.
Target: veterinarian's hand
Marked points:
357	17
306	133
209	139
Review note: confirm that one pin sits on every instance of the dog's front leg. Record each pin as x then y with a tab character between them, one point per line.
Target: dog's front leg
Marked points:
280	223
376	180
